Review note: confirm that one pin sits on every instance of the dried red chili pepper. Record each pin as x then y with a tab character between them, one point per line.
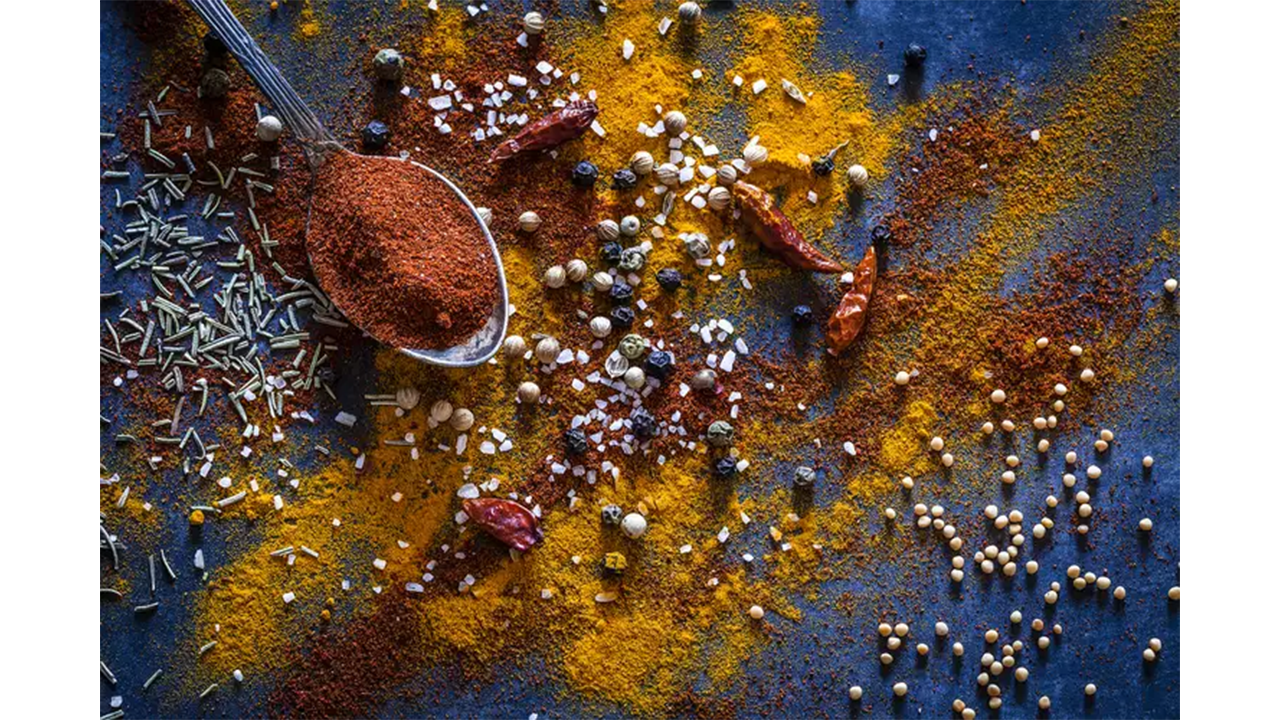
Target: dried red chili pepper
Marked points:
777	233
845	325
551	130
508	521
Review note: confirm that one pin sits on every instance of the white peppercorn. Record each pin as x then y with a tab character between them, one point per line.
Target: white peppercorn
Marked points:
270	128
689	12
600	326
634	378
668	174
607	230
514	346
718	198
462	419
554	277
441	410
727	175
675	120
529	221
642	163
576	270
534	23
528	392
547	350
602	281
858	176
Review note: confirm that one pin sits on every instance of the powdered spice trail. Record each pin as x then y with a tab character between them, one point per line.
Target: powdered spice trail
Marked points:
399	253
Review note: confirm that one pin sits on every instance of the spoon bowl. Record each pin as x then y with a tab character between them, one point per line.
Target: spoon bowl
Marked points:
319	143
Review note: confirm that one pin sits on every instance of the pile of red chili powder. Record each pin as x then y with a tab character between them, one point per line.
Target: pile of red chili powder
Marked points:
399	252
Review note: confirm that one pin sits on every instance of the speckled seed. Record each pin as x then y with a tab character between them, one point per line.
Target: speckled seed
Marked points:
528	392
858	176
727	175
634	378
534	23
642	163
674	121
514	346
602	281
547	350
689	12
634	525
718	198
756	612
529	221
270	128
630	226
668	174
608	230
462	419
600	326
554	277
576	270
388	64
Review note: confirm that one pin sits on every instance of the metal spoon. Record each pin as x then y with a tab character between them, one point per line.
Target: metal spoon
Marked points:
319	144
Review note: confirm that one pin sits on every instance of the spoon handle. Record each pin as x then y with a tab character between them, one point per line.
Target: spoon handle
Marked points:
283	98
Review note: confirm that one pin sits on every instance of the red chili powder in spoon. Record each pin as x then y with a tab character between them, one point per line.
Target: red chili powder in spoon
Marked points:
399	253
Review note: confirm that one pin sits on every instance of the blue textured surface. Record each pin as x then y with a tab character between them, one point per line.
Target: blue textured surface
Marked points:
1103	639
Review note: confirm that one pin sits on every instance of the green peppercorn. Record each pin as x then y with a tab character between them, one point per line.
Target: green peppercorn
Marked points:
720	434
631	347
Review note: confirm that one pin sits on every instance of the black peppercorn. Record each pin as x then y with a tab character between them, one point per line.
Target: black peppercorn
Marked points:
658	364
622	318
881	235
915	55
375	135
669	278
823	166
611	253
213	44
620	293
575	441
643	426
802	314
726	467
585	174
624	179
214	84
